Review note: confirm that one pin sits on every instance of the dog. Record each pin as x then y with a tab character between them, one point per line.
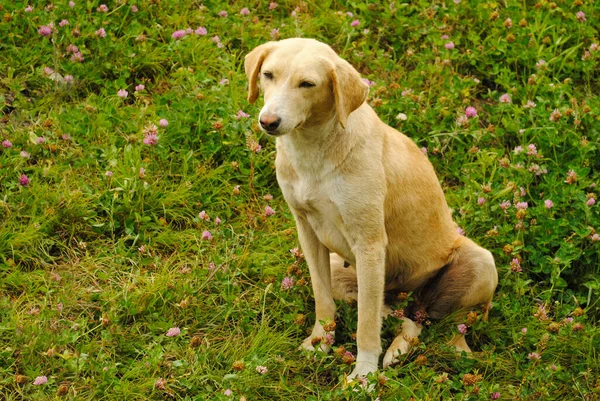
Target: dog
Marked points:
363	193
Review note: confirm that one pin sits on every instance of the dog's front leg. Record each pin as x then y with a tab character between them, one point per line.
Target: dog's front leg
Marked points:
317	258
370	270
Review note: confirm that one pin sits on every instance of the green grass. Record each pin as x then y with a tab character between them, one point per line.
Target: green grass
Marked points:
95	268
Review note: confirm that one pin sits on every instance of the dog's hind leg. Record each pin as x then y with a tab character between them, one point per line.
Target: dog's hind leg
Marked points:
467	281
402	343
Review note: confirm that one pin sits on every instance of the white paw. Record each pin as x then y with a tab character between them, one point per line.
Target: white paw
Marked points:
400	346
311	342
460	344
362	369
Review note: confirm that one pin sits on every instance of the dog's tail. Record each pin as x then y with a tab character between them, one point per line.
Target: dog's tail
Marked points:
344	283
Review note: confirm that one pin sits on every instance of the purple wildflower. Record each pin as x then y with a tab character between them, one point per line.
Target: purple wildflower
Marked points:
521	205
287	283
462	328
77	57
470	111
178	34
45	30
206	235
327	339
24	180
173	332
40	380
151	139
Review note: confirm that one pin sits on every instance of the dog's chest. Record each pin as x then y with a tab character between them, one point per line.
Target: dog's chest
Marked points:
314	201
309	197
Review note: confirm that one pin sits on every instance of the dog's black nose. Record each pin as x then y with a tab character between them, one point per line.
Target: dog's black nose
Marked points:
270	123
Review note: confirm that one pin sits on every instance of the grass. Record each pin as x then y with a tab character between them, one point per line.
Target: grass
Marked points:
104	249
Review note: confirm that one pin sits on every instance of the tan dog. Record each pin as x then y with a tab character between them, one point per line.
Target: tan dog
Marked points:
361	189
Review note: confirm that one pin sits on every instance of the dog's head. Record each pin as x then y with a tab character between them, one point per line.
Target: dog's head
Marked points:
304	83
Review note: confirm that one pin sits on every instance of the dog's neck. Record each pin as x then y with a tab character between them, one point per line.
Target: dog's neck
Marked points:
319	148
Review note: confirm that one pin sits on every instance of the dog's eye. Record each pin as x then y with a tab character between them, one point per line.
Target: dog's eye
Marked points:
306	84
268	75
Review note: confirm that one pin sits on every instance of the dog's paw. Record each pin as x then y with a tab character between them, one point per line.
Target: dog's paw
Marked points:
400	346
358	384
313	343
361	370
460	344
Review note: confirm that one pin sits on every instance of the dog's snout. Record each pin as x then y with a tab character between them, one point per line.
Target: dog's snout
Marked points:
269	122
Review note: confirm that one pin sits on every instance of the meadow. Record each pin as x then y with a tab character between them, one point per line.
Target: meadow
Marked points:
146	252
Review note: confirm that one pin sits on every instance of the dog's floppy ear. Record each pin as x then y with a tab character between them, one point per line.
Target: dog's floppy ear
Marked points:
348	88
252	65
